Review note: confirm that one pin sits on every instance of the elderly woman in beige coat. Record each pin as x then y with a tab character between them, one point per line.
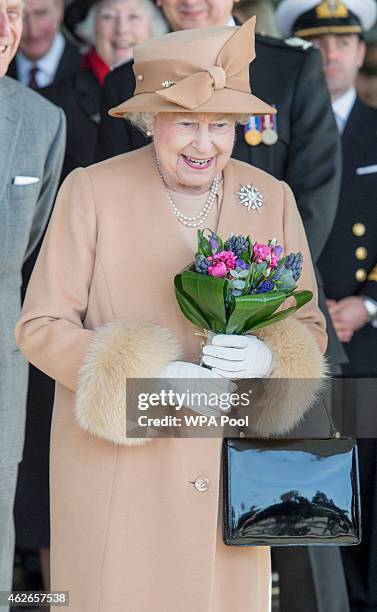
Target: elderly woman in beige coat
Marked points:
135	523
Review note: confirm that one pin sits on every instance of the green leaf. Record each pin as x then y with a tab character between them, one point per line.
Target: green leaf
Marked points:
245	257
209	295
301	298
250	247
220	244
286	281
188	308
204	247
252	309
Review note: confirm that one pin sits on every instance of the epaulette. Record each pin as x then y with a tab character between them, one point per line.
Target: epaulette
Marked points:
298	44
295	41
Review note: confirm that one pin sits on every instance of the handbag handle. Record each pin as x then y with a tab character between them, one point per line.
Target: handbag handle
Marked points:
335	433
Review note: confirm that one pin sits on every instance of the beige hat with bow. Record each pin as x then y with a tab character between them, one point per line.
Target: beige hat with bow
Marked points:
205	70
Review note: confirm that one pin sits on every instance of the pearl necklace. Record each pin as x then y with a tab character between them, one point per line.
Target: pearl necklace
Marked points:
203	214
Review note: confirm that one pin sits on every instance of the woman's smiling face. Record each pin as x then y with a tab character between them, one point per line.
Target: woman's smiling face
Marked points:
120	26
193	148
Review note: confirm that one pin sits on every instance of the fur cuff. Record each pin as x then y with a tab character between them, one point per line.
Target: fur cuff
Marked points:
296	355
116	353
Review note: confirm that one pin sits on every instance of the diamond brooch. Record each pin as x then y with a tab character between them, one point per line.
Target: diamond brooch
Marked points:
250	197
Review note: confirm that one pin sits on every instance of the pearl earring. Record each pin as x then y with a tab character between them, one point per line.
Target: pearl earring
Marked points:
149	133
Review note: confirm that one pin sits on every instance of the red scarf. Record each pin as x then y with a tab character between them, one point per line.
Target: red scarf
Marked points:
92	61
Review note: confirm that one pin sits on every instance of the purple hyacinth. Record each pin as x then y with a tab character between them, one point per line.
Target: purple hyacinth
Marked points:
240	263
238	244
213	242
266	286
293	262
201	264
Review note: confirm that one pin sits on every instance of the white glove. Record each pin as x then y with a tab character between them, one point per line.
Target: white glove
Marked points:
188	377
235	356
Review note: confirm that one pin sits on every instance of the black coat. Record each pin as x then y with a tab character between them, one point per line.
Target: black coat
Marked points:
79	96
69	63
347	254
306	156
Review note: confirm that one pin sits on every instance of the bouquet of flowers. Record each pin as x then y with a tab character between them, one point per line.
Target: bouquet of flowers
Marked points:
236	287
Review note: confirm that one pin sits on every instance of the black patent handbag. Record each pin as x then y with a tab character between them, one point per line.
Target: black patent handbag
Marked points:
291	492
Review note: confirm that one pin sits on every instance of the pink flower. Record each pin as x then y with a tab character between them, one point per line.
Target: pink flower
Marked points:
276	254
226	257
262	252
219	270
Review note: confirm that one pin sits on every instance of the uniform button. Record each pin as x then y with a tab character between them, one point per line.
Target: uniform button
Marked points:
361	253
201	484
140	77
360	275
358	229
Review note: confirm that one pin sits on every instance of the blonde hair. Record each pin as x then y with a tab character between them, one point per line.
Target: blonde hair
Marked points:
144	120
86	29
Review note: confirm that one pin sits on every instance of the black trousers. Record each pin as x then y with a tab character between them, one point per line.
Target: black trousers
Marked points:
360	562
311	578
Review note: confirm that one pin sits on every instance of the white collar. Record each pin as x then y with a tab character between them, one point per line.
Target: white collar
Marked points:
47	64
231	21
342	107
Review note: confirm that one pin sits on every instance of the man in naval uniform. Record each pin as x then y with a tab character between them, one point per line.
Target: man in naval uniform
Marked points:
348	262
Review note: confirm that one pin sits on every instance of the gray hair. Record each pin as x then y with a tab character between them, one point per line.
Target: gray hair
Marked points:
144	120
86	29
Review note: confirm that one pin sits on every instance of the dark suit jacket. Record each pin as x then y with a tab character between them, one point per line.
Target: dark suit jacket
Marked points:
79	96
307	154
70	62
343	255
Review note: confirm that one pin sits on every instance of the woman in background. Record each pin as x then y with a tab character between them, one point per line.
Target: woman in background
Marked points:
110	29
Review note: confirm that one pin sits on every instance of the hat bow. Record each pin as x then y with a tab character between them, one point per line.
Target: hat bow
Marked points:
195	89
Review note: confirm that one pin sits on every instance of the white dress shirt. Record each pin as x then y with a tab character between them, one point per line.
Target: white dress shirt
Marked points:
342	108
47	65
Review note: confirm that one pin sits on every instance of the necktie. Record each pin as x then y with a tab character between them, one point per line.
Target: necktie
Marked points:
33	83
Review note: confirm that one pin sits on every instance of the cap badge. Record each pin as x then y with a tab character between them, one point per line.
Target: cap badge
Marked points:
331	8
250	197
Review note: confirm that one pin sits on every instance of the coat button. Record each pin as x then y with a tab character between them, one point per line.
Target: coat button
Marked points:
360	275
358	229
140	77
201	484
361	253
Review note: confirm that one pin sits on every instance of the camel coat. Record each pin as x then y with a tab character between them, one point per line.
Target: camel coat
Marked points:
130	530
